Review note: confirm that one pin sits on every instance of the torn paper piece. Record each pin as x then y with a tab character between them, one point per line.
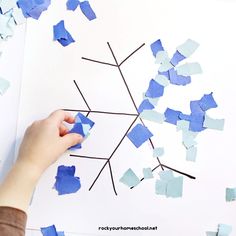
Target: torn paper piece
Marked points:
189	69
166	175
153	116
178	79
139	135
196	108
153	101
165	66
196	123
216	124
7	26
33	8
188	139
87	10
165	73
147	173
155	89
162	80
72	4
188	48
174	187
66	182
191	154
208	233
18	16
129	178
62	35
49	231
182	125
171	116
156	47
82	126
224	230
177	57
158	152
7	5
161	57
160	187
207	102
60	233
230	194
184	117
4	85
145	105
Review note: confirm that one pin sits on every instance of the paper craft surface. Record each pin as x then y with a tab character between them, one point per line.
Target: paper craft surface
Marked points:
111	75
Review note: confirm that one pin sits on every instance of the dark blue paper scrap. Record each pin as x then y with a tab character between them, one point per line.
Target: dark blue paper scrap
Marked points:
177	57
196	108
87	10
49	231
184	117
155	89
178	79
172	116
139	135
33	8
196	122
61	34
145	105
207	102
66	182
72	4
156	47
84	120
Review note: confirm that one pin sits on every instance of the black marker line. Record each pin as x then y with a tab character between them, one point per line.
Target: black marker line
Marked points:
112	179
131	54
89	157
100	62
103	112
180	172
98	175
81	94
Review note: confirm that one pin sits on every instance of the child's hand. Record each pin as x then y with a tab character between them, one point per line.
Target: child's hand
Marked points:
46	140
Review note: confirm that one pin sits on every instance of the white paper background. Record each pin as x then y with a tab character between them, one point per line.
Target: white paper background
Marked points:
49	71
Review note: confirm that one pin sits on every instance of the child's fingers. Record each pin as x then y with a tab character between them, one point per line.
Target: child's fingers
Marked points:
59	116
71	139
63	130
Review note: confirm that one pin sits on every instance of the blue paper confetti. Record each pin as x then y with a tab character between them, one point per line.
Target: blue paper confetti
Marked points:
145	105
82	126
72	4
177	57
178	79
139	135
87	10
129	178
172	116
33	8
156	47
62	35
155	89
207	102
66	182
230	194
49	231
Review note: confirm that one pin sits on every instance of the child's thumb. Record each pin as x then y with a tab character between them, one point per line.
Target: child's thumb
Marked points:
71	139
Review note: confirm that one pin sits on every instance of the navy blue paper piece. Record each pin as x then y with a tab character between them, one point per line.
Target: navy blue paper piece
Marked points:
172	116
87	10
155	90
33	8
177	57
66	182
178	79
165	73
139	135
207	102
145	105
72	4
49	231
156	47
61	34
